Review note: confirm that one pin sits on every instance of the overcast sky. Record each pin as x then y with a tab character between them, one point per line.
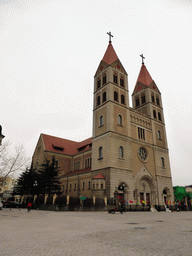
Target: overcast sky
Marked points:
50	51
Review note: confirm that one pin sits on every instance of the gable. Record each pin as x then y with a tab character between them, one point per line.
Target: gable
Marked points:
154	87
102	66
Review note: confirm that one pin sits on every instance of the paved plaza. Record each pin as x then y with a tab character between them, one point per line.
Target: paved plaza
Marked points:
94	233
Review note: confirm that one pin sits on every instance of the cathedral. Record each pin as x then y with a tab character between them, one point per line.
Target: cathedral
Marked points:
127	156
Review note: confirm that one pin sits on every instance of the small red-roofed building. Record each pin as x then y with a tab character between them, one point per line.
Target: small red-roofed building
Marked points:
127	156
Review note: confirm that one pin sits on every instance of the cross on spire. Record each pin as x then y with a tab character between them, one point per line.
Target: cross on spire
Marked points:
142	58
109	33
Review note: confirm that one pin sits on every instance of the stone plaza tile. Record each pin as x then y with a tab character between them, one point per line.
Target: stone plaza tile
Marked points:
94	233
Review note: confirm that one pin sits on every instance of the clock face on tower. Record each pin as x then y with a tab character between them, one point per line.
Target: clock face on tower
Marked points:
142	154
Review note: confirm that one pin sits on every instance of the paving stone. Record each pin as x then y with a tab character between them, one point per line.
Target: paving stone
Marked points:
94	233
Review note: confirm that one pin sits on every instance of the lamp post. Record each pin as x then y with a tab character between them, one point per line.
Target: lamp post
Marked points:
35	186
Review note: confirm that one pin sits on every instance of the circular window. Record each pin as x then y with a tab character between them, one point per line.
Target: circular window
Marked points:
143	154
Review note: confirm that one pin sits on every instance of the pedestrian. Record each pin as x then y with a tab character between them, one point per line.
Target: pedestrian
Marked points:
152	209
29	207
167	208
177	206
122	208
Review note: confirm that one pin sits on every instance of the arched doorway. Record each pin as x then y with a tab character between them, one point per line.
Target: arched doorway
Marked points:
145	188
165	197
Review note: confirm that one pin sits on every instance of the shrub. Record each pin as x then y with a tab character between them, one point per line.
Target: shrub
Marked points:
88	202
99	202
11	198
49	199
61	200
74	202
39	199
111	201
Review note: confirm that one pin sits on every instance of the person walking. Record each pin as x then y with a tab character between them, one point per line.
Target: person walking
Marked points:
29	207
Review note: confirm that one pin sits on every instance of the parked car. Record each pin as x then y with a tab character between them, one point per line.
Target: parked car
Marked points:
11	204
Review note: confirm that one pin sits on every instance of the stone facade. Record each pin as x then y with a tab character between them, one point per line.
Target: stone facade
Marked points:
128	153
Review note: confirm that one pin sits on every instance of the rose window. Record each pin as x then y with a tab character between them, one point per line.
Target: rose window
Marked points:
143	154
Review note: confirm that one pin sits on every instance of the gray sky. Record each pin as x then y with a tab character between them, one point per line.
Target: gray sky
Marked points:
49	53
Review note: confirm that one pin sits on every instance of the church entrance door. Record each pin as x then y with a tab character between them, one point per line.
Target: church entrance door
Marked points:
142	197
148	198
145	189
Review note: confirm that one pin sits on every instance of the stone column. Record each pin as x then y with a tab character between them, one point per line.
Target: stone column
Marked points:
105	200
22	199
93	200
54	197
45	198
67	199
35	196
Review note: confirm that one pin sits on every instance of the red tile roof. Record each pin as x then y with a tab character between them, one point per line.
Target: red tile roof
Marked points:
55	144
99	176
85	143
144	76
110	55
77	172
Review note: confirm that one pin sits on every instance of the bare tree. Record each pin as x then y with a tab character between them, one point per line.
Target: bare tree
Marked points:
12	161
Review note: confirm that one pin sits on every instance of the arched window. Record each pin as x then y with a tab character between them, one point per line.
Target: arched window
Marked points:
98	83
122	99
104	96
89	184
137	102
119	120
83	185
162	162
143	98
159	116
159	135
101	121
152	98
100	153
70	187
121	152
98	100
75	187
154	114
141	133
115	78
122	81
104	79
157	100
115	96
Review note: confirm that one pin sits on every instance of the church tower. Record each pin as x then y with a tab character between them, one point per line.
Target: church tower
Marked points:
146	98
111	121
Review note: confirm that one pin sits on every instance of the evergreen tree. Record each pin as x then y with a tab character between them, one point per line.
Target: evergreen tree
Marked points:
42	181
49	181
27	183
